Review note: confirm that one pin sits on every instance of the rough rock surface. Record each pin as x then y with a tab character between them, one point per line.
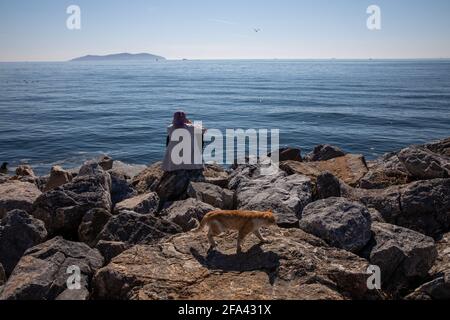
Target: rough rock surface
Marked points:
24	170
17	195
350	168
285	195
439	287
186	213
2	277
111	249
74	294
121	188
385	172
423	206
147	203
403	255
212	194
340	222
58	177
424	164
171	186
324	152
41	274
92	224
327	185
62	209
285	154
134	228
295	265
18	232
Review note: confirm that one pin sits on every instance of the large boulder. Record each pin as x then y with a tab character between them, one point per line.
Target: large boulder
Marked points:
422	163
324	152
63	208
171	186
92	224
385	172
147	203
15	194
327	185
58	177
111	249
295	265
403	255
121	188
186	213
438	288
18	232
423	206
42	273
340	222
211	194
350	168
441	147
134	228
285	195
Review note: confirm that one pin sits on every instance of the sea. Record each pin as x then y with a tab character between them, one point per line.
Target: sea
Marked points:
65	113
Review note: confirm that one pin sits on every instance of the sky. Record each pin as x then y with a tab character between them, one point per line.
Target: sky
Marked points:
225	29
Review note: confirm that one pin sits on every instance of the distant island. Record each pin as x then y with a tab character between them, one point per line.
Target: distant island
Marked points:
121	57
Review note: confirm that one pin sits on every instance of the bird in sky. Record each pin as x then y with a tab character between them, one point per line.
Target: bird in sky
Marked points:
257	29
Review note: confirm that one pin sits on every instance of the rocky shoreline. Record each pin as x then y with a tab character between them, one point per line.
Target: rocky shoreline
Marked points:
129	229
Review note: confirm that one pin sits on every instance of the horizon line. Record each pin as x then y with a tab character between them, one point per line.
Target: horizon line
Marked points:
230	59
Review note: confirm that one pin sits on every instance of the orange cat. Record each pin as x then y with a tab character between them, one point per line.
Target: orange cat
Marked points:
245	222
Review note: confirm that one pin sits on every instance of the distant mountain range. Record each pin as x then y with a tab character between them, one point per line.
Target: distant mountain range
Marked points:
121	57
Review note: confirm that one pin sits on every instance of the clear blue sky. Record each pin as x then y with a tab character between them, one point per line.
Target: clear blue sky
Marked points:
212	29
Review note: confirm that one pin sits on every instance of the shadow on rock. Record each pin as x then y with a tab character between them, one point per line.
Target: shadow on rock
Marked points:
253	259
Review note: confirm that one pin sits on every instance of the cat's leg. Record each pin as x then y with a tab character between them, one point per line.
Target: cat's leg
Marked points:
258	234
243	232
214	230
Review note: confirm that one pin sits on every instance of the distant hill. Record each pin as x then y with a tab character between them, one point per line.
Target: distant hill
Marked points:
121	57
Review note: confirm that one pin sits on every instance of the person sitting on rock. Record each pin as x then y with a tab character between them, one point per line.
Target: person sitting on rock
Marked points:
184	145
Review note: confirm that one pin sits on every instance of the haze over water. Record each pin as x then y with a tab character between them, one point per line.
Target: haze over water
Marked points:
65	113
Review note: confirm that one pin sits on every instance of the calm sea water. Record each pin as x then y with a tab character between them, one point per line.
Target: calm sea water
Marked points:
65	113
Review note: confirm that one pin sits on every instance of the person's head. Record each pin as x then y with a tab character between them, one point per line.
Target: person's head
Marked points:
179	119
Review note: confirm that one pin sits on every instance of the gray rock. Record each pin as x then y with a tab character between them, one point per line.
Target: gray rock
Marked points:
172	186
62	209
439	287
92	224
422	163
17	195
403	255
342	223
24	170
186	213
423	206
327	185
58	177
134	228
286	195
74	295
294	265
121	188
2	277
212	194
18	232
385	172
147	203
106	162
42	273
324	152
111	249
